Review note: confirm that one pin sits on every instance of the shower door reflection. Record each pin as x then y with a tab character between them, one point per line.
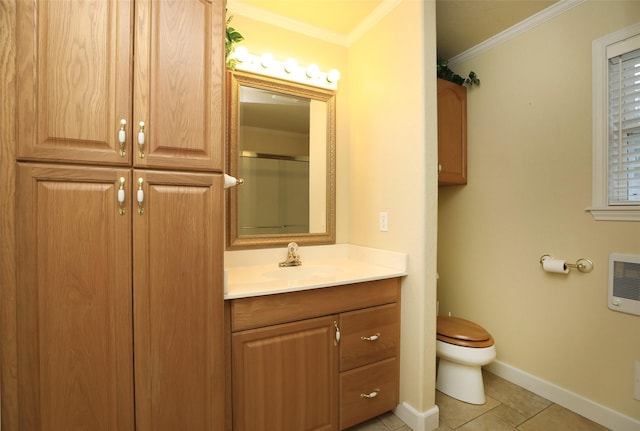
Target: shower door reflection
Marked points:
277	188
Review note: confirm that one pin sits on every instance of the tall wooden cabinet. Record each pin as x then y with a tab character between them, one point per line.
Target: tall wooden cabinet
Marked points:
119	225
452	133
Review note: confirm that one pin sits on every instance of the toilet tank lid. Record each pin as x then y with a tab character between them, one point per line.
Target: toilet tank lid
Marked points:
461	329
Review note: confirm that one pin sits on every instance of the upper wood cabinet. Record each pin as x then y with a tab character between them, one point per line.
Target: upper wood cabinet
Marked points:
452	133
74	80
178	83
80	76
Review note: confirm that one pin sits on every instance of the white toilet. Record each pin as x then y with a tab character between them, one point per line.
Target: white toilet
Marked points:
463	348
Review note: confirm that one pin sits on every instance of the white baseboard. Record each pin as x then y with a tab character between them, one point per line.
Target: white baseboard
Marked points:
584	407
418	421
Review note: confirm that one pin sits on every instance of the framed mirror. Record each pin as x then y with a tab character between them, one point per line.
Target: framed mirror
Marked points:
281	142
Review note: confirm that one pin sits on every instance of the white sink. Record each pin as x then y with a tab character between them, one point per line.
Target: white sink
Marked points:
298	273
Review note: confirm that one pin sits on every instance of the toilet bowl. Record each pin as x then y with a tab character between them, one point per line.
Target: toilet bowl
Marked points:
462	347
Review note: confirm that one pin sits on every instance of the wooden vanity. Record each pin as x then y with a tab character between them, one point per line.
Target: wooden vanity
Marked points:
319	359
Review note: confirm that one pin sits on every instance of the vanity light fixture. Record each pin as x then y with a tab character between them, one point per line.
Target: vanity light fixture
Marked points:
266	61
333	75
288	70
312	71
290	65
241	54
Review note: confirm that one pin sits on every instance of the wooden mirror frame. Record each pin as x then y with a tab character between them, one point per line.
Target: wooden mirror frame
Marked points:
233	238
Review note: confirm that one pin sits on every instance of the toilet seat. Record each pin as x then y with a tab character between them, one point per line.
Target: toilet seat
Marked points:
462	332
463	348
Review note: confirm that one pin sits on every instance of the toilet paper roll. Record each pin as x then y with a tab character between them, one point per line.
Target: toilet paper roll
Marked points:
555	265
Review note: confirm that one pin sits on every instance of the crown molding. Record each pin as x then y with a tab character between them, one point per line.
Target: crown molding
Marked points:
249	11
238	7
372	19
533	21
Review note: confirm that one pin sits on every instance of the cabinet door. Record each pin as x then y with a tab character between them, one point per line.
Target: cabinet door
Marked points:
178	302
74	300
73	80
285	377
179	80
452	133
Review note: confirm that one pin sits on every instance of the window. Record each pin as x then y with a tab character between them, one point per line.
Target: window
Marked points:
616	126
624	128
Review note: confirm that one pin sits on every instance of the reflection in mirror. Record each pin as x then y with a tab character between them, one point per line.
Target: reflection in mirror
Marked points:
281	142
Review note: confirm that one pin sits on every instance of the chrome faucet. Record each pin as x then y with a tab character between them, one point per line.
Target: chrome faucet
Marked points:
293	258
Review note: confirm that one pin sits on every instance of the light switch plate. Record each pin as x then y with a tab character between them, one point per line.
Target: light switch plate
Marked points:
384	222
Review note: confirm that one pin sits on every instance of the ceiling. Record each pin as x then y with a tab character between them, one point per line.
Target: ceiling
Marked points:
461	24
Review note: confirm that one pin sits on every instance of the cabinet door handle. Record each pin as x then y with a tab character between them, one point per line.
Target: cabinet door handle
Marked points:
337	340
121	197
140	196
141	139
439	168
371	394
374	337
122	137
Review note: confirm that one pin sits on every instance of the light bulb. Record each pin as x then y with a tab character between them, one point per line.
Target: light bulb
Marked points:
241	53
312	71
266	60
290	65
333	76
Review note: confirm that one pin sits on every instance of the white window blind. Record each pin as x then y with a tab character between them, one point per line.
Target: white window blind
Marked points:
616	126
624	126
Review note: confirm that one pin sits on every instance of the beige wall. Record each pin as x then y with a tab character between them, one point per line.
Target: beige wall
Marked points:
393	135
386	136
529	135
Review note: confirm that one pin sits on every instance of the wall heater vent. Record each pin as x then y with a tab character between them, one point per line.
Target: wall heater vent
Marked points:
624	283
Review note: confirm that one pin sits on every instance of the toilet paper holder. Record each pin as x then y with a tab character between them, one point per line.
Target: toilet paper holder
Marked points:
582	264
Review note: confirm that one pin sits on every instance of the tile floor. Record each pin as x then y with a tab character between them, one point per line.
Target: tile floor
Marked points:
508	408
386	422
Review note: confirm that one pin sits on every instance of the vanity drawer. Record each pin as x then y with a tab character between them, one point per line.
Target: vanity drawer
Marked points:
258	311
369	335
380	379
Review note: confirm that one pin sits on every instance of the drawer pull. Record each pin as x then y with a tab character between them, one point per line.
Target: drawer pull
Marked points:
371	395
371	338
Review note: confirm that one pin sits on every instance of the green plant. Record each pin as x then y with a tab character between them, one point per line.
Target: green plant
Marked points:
445	73
233	38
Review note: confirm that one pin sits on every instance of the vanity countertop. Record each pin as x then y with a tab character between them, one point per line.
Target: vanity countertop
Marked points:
256	272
